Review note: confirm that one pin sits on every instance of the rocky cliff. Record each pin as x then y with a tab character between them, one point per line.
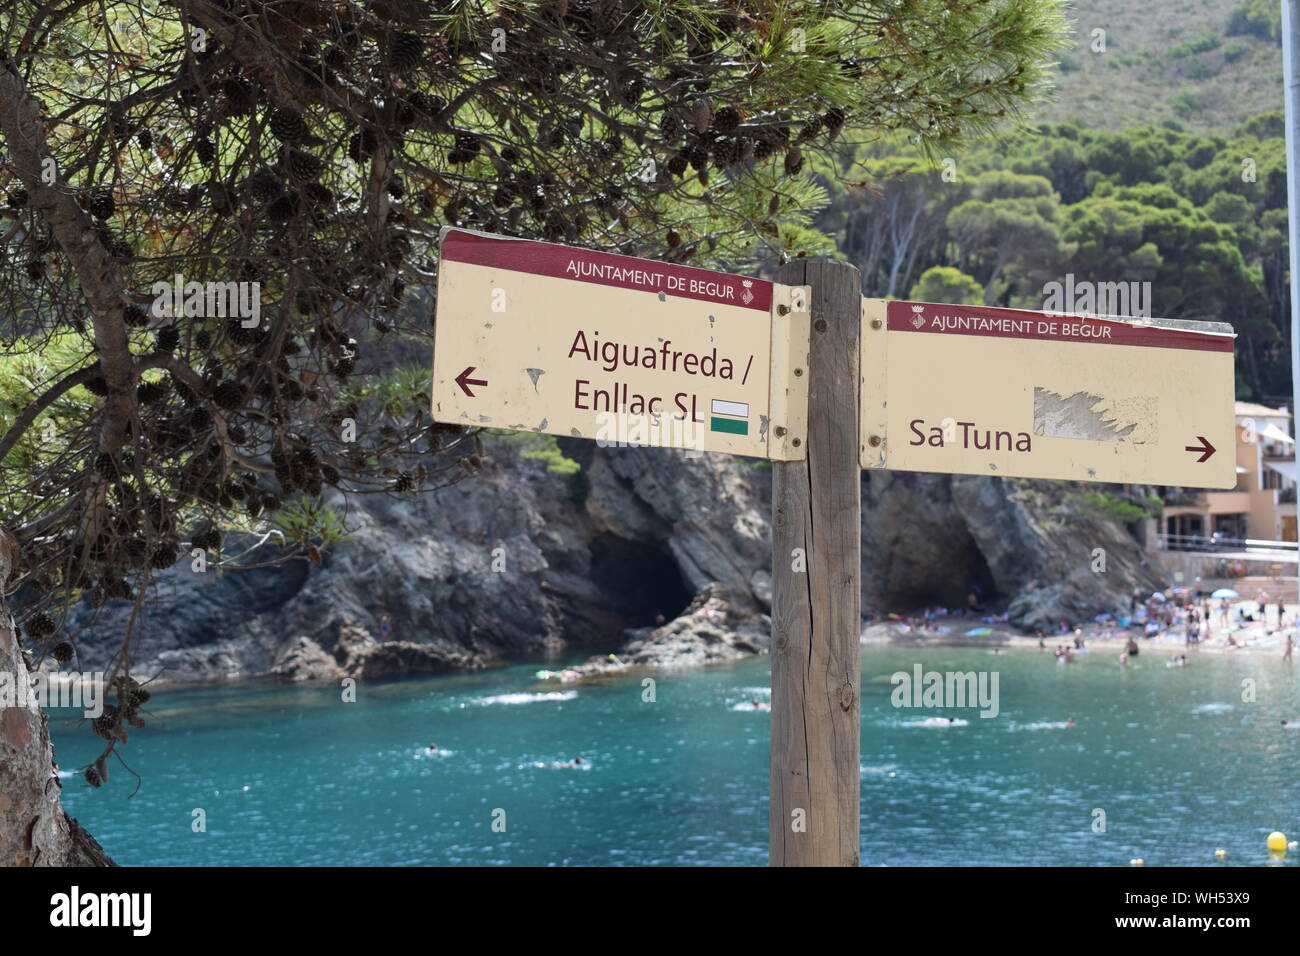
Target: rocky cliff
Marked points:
525	560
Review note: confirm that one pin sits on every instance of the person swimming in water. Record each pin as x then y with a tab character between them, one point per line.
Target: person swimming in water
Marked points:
1071	723
760	705
937	722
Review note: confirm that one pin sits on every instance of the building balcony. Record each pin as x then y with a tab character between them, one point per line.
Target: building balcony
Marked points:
1182	498
1227	502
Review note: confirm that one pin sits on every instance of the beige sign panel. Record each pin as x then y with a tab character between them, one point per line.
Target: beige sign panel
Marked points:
979	391
533	336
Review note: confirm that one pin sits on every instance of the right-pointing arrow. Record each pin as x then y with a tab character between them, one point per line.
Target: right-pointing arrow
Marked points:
1205	448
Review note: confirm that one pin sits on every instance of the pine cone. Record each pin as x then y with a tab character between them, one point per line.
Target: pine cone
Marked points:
164	557
168	338
303	166
39	626
318	197
152	393
834	121
97	385
726	120
105	726
240	334
287	125
101	202
105	466
670	127
726	152
810	130
793	161
467	144
263	185
284	208
702	114
362	145
229	395
205	150
405	52
241	95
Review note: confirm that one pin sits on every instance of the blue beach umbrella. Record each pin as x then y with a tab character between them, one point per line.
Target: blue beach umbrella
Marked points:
1225	593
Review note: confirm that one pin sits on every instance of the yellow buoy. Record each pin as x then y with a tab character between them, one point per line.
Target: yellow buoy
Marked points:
1138	861
1277	842
1220	853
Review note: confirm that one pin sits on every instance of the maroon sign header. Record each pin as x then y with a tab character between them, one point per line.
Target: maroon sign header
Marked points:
604	268
1021	324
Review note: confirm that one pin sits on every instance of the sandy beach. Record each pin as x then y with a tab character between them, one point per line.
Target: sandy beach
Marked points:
1260	637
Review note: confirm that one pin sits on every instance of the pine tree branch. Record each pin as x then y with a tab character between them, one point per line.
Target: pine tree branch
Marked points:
101	281
28	415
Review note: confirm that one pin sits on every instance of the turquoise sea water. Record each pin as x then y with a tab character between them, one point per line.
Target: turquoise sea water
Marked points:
1179	763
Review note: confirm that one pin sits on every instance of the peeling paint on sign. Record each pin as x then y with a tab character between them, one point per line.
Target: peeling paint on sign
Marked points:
1093	417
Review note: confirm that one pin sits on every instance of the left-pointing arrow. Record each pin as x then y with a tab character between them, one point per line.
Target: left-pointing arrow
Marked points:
464	381
1205	448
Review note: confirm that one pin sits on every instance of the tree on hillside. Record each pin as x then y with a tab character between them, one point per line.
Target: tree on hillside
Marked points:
1202	218
315	147
892	219
1007	232
946	284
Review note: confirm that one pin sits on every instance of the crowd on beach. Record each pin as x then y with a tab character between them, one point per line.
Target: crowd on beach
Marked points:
1177	615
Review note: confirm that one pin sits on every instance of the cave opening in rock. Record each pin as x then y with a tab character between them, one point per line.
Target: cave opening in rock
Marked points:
979	579
910	582
640	579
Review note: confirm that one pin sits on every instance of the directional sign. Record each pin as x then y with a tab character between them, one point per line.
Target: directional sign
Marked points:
539	337
971	390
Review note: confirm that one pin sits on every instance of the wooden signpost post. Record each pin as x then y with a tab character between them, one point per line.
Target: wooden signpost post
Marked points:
817	595
539	337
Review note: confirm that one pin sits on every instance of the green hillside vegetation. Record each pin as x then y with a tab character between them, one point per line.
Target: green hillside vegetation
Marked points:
1200	218
1200	65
